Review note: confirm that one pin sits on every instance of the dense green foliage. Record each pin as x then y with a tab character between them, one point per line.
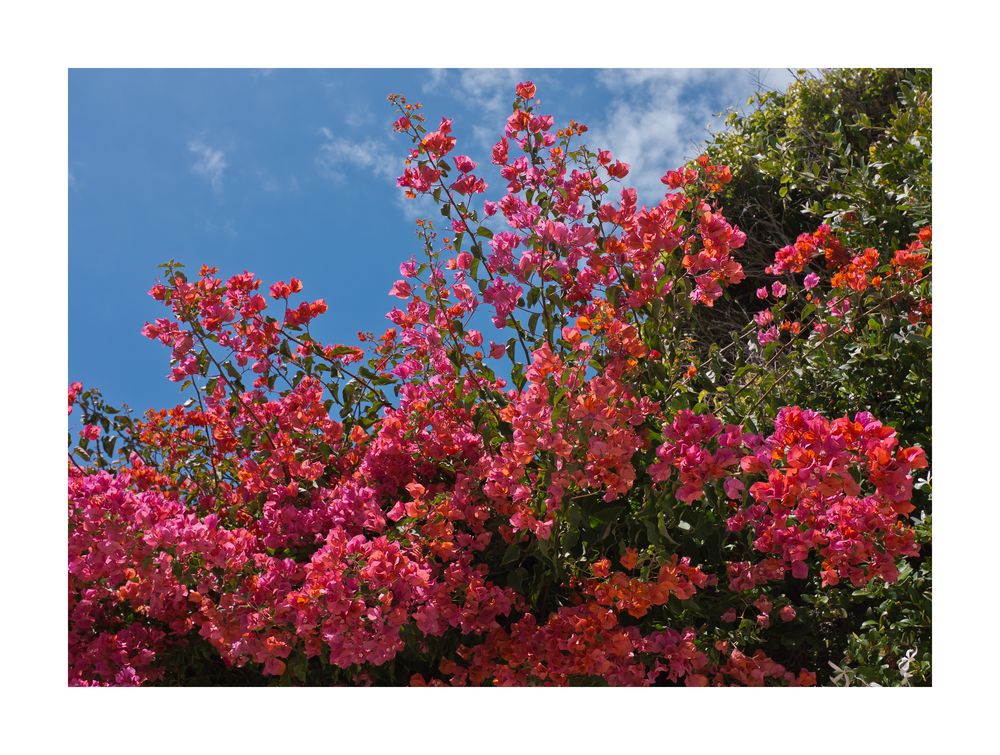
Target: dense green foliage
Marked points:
850	148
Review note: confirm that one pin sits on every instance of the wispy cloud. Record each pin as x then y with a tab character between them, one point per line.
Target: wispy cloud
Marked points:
226	227
210	163
490	89
360	116
487	92
339	154
336	154
421	206
273	184
658	118
436	79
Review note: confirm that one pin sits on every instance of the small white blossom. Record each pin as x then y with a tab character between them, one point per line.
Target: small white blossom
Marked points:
904	666
843	676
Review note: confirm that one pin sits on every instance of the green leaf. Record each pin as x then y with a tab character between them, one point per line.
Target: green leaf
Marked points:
511	554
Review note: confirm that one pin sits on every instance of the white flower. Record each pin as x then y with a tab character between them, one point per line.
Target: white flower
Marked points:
844	675
904	666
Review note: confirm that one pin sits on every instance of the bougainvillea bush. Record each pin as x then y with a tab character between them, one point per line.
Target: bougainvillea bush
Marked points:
542	473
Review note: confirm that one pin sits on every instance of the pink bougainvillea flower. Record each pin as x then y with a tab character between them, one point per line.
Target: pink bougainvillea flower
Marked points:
734	488
401	289
525	90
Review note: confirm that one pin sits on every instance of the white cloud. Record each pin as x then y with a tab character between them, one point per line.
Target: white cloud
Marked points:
490	89
436	79
361	116
210	163
649	138
421	206
659	118
337	153
487	92
616	77
485	135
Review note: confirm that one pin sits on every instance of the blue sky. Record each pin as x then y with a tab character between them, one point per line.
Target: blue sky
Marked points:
292	172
